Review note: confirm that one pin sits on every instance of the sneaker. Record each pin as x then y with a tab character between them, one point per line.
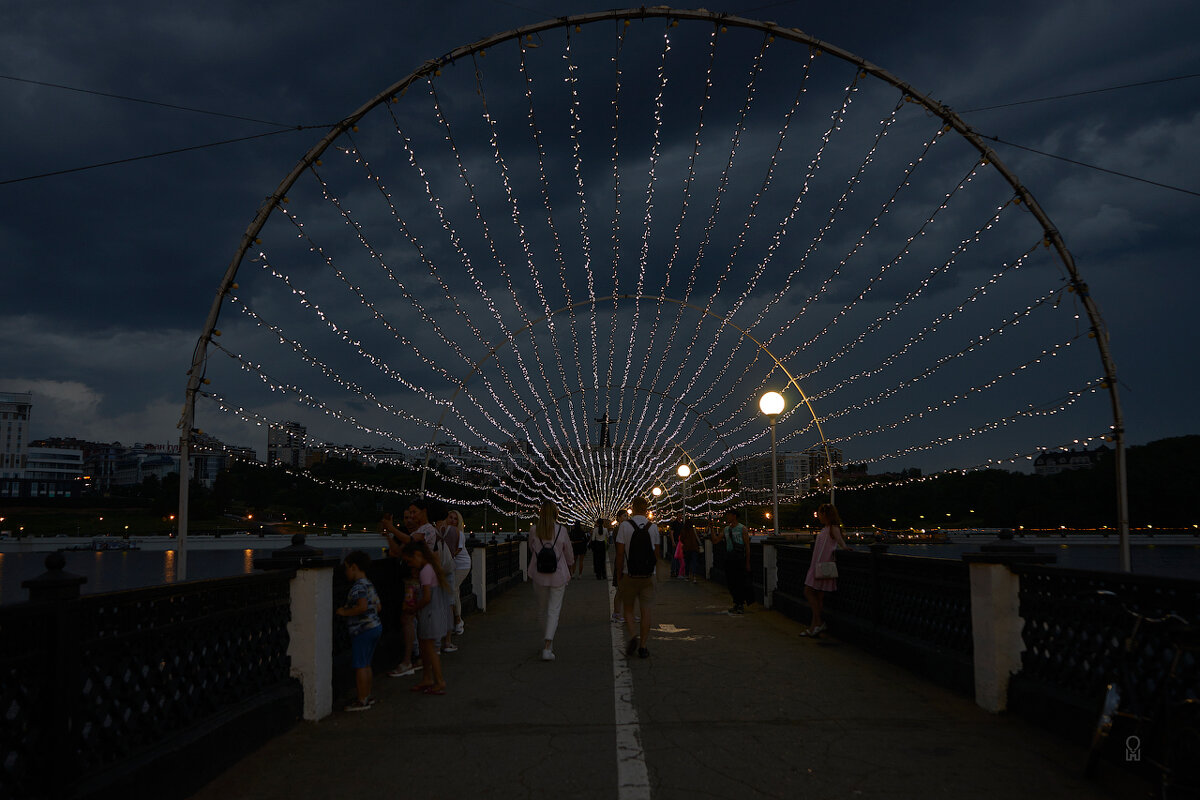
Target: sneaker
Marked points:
450	648
633	645
618	618
458	628
402	671
643	652
739	610
547	655
637	617
360	705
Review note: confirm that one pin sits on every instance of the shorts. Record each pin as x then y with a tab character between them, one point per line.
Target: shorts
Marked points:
362	646
639	589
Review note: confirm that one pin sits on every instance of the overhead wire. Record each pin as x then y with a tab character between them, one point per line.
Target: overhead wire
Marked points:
157	155
142	100
1092	166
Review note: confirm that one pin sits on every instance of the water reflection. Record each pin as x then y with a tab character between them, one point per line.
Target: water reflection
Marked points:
247	561
169	567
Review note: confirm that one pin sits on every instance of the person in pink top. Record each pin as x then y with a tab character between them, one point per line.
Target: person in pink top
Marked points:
550	560
829	539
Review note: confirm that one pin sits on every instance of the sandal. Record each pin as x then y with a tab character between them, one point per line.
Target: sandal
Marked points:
420	687
438	692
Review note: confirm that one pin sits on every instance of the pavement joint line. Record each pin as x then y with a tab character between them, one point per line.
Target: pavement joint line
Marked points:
633	779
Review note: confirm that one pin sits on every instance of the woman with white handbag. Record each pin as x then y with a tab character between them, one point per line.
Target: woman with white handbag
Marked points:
822	572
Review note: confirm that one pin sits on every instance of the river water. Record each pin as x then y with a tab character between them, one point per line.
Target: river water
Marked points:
112	571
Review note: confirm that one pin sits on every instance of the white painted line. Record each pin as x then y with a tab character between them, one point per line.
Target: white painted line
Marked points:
633	780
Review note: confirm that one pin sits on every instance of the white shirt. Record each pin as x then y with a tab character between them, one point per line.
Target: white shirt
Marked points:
626	530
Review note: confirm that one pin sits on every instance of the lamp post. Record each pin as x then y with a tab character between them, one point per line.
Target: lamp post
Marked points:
771	404
683	472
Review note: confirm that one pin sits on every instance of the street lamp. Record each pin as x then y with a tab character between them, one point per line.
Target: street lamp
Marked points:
683	472
656	491
771	404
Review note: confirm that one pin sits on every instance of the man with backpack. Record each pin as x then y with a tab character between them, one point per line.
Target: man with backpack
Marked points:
638	551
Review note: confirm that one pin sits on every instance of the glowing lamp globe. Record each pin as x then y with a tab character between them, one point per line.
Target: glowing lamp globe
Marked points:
771	404
656	491
683	471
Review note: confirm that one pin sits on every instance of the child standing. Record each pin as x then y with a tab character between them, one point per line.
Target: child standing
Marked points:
433	614
362	618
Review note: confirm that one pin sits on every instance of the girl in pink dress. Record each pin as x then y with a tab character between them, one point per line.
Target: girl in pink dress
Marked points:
828	540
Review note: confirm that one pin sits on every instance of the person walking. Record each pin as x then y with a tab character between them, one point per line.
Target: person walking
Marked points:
361	611
737	560
432	612
397	539
639	547
622	515
551	559
579	547
443	545
462	564
600	550
691	548
815	586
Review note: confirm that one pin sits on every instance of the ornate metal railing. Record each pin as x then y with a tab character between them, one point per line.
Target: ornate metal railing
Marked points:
103	683
916	611
1073	636
503	566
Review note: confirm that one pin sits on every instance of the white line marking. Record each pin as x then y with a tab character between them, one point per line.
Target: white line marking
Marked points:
633	780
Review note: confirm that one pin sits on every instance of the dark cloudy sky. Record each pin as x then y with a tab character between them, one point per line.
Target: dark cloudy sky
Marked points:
108	274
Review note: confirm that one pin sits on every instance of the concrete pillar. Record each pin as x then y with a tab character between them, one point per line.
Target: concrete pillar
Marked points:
996	622
523	555
708	558
479	576
310	635
770	573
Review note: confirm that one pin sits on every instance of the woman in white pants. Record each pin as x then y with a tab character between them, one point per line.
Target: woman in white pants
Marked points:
550	571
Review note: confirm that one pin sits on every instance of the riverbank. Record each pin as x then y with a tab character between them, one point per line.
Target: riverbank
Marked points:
160	544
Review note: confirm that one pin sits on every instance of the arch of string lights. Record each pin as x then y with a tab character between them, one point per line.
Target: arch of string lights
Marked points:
560	261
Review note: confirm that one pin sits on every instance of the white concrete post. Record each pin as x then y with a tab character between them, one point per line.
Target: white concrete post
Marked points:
708	558
770	573
996	624
479	576
310	635
523	555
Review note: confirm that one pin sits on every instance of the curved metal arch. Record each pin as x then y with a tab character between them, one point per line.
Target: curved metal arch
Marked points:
433	67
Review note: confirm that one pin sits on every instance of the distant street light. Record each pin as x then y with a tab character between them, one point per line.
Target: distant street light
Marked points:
772	404
656	491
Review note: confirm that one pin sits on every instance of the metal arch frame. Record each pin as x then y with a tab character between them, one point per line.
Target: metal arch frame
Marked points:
433	67
591	301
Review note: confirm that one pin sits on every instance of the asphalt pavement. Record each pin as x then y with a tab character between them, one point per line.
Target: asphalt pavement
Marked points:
725	707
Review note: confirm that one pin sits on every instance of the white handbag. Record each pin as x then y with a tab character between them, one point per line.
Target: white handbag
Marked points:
827	569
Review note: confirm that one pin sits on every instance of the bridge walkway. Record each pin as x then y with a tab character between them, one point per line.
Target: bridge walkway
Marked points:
725	707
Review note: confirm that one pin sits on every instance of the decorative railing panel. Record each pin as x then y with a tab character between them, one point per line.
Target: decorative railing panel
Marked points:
913	610
1073	637
96	682
26	648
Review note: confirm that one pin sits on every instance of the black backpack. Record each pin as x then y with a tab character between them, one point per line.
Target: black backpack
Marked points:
641	552
547	558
